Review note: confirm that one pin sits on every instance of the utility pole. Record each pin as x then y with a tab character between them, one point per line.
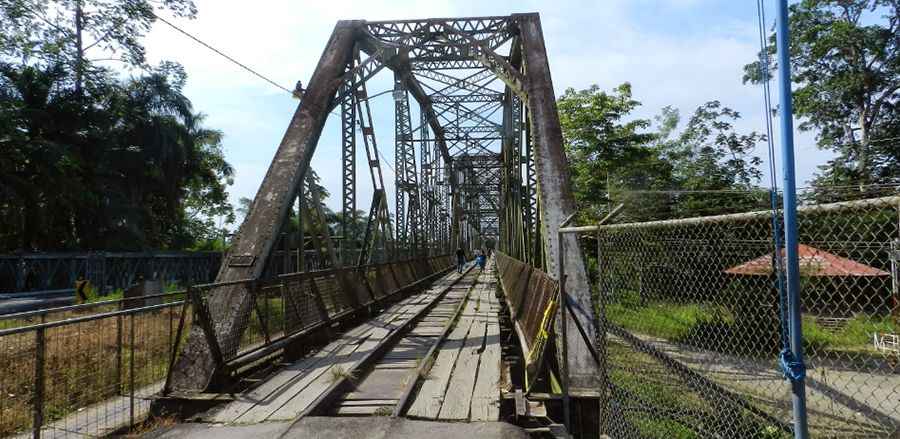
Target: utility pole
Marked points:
797	380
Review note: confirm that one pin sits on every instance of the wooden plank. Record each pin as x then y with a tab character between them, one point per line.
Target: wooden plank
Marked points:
282	380
276	402
486	396
348	362
381	384
428	400
323	379
278	390
364	402
458	398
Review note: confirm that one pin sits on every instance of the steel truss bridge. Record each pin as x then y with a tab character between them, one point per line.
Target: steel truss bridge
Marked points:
479	162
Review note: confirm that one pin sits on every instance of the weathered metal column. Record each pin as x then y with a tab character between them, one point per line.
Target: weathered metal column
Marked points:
556	203
254	241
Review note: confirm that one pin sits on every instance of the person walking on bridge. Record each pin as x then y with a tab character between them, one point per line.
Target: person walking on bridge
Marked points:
460	259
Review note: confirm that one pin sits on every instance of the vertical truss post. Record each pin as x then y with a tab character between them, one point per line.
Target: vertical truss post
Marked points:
556	203
256	238
348	172
407	180
426	194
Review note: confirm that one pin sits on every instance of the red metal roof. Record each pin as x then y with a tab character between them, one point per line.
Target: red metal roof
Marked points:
813	262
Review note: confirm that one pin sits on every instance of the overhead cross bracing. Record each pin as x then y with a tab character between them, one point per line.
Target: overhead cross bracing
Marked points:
478	162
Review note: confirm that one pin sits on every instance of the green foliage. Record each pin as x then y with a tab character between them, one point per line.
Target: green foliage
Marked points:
845	65
614	160
89	160
855	335
603	149
662	319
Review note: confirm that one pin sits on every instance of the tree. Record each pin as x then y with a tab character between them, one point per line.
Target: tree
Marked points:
604	150
135	169
709	154
712	162
76	34
92	160
845	66
644	165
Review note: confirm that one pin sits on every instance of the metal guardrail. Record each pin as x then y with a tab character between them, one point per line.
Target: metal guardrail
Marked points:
83	374
48	271
532	297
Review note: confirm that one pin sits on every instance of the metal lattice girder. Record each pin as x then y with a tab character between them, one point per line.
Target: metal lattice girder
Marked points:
557	203
196	366
421	64
466	99
348	168
407	179
470	183
491	31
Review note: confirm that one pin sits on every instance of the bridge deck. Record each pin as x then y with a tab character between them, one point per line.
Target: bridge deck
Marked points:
454	323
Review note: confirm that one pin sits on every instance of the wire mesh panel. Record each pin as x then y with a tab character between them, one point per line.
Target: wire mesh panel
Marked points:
695	322
301	307
18	355
91	375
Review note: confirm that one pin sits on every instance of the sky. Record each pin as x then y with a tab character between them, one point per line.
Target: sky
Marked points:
680	53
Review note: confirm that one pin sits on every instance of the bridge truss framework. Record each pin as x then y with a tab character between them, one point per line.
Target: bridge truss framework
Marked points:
479	162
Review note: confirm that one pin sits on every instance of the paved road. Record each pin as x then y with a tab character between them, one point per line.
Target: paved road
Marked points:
22	304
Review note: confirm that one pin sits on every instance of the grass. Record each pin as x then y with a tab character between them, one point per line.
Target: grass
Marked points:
684	323
340	373
660	405
667	320
855	336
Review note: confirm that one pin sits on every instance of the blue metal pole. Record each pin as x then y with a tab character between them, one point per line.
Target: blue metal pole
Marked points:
786	111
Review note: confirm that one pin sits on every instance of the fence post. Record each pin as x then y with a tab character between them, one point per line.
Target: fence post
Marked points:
185	303
798	386
601	344
131	369
119	341
40	348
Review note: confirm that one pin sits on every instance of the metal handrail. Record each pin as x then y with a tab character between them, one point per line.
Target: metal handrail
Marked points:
47	325
81	306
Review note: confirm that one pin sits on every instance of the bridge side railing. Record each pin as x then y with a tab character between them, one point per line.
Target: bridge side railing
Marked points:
50	271
85	369
92	369
294	305
532	297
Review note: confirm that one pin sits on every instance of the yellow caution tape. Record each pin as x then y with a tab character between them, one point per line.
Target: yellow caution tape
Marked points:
543	332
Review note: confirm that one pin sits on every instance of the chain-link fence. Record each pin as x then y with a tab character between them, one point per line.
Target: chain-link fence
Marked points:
693	314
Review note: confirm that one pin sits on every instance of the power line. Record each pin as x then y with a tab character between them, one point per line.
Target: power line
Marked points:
222	54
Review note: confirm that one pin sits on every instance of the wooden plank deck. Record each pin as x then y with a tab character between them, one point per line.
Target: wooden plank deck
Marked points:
463	383
460	384
286	394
